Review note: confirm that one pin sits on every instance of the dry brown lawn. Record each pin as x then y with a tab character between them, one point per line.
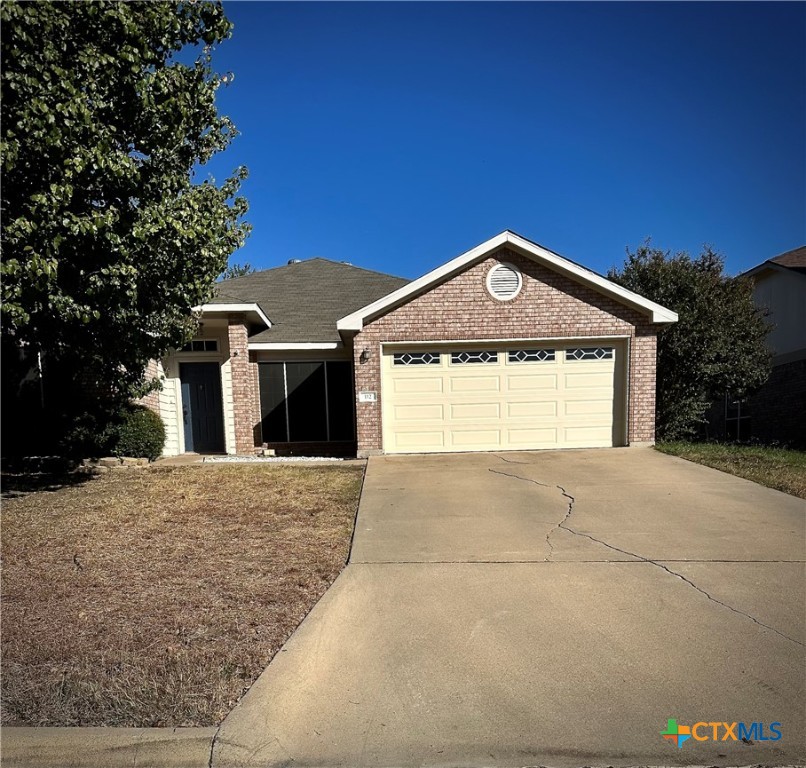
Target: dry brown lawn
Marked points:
155	597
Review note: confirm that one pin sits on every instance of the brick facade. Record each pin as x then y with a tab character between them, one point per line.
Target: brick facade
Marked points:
776	412
245	397
152	399
549	305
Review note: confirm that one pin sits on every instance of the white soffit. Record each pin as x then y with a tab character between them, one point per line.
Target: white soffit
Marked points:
268	346
657	313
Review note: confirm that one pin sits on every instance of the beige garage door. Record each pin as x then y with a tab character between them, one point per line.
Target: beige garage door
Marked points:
493	397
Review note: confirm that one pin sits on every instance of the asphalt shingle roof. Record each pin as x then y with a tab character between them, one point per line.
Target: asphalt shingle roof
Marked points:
304	300
794	259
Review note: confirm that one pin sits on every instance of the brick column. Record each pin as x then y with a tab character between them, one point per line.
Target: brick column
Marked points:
367	378
243	386
642	386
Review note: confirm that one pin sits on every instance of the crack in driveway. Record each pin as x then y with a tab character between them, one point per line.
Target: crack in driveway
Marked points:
563	525
536	482
509	461
518	477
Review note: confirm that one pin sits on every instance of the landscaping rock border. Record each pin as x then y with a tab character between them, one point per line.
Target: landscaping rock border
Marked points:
110	463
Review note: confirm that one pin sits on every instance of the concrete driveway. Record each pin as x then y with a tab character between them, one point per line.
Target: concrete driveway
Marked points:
552	608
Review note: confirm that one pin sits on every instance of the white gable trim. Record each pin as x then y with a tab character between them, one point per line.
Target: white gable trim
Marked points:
249	309
658	314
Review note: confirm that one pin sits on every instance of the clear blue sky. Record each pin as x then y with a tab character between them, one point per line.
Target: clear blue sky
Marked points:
395	136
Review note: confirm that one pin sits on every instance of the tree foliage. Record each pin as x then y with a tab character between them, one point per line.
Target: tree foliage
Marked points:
236	270
109	239
717	346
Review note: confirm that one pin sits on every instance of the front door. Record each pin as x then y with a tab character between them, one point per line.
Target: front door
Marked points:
202	411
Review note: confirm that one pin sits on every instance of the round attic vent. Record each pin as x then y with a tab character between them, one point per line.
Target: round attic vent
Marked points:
504	282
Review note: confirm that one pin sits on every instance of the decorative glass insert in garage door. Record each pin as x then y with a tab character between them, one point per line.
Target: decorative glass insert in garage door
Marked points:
415	358
530	355
462	358
307	402
589	353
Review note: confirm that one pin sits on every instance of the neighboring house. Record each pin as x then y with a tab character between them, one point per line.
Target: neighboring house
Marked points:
506	347
776	413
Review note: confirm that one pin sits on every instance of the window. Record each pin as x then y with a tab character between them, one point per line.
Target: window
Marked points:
415	358
737	419
589	353
201	345
504	282
307	401
530	355
461	358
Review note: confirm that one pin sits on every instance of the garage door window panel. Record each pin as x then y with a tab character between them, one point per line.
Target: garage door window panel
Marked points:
416	358
531	355
471	357
589	353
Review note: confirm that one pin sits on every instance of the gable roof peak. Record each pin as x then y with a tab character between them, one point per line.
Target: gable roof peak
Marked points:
658	314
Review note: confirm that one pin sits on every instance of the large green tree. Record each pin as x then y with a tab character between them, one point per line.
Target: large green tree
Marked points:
111	234
717	346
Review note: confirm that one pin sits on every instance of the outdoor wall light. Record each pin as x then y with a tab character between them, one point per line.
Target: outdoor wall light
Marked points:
364	356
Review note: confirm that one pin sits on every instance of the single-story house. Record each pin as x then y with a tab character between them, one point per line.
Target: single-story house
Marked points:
776	413
508	346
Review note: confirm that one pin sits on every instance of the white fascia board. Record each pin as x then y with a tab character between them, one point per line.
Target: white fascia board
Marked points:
267	346
658	313
355	321
211	309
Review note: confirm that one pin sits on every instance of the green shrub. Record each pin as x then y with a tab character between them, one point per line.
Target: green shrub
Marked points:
141	434
86	435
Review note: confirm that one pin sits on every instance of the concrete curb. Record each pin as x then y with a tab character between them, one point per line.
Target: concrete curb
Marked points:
106	747
24	747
